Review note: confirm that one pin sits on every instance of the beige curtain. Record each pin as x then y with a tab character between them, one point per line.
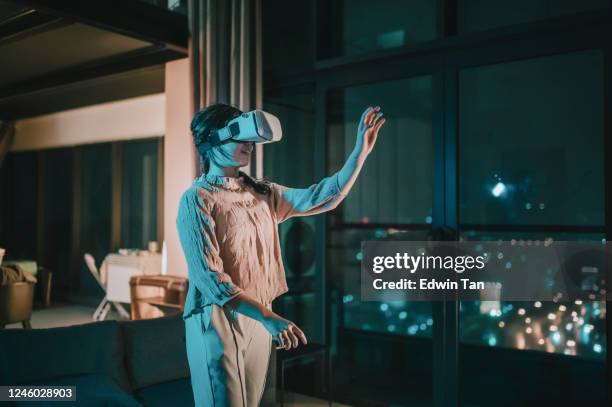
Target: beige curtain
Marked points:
225	56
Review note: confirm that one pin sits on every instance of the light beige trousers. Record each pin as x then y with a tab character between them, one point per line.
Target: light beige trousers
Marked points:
228	356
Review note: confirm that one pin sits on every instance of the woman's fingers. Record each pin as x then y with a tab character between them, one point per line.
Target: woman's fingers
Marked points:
286	339
281	341
294	338
377	118
379	124
373	114
290	338
300	334
365	115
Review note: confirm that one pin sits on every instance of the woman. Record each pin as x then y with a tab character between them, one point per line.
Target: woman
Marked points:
227	224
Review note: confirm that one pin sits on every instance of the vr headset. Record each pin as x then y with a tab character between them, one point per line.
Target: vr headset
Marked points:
256	126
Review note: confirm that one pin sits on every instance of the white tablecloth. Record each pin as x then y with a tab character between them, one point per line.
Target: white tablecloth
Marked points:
116	271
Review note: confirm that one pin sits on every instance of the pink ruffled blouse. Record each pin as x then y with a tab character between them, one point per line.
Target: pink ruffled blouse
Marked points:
229	235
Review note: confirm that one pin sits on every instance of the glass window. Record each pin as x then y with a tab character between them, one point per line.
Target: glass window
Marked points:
360	26
393	189
288	31
392	317
566	340
576	328
368	336
291	163
296	113
476	15
395	185
178	6
531	141
139	193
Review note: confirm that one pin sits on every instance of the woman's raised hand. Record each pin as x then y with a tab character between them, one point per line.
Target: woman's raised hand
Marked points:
284	332
370	123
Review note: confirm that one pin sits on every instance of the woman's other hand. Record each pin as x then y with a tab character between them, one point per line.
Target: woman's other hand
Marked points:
284	332
370	123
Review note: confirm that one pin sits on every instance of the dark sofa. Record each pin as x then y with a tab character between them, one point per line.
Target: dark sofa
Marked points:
111	363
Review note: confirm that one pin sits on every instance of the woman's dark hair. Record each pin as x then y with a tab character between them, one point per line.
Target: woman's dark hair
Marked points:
212	118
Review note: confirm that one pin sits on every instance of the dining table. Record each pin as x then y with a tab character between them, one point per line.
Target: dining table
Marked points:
117	269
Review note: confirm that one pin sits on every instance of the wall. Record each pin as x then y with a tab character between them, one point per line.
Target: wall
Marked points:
140	117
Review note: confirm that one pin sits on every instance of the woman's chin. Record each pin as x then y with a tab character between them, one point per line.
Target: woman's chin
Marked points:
243	162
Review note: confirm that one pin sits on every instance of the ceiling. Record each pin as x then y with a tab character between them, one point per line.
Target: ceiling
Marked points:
58	54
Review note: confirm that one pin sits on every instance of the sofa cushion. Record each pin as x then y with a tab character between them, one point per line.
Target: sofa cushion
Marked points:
177	393
30	355
155	350
91	391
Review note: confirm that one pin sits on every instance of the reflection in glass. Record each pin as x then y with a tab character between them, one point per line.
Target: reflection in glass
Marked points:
177	6
393	189
531	141
288	34
576	328
290	163
395	185
476	15
368	336
392	317
360	26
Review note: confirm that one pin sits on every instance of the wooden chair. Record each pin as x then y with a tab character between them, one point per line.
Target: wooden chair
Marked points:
169	298
16	303
105	305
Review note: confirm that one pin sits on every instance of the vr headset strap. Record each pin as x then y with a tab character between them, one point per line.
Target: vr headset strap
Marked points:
220	136
215	138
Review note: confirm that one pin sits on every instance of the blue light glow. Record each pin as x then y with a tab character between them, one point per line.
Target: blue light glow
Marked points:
498	189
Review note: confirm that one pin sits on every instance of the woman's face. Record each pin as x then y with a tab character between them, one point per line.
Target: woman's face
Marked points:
234	154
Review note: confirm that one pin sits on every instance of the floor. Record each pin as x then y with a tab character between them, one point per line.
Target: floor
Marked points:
300	400
63	314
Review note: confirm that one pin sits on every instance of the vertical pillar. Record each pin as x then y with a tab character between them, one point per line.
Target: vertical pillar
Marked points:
179	156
